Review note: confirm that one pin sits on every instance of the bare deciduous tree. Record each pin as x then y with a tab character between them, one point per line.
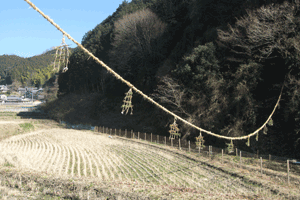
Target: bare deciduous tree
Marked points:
195	108
134	38
266	30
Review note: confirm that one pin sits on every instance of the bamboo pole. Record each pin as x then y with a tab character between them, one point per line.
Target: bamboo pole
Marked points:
288	171
189	146
179	144
240	159
260	165
222	155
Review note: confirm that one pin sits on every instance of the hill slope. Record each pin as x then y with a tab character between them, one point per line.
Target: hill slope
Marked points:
34	70
204	60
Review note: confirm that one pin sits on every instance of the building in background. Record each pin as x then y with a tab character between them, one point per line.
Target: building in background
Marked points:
3	88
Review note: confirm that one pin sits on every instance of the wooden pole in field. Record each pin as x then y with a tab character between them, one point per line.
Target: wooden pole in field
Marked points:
179	145
172	142
138	135
126	133
120	132
240	159
236	152
270	157
151	137
110	130
222	155
189	146
165	140
288	171
261	165
131	133
145	136
158	139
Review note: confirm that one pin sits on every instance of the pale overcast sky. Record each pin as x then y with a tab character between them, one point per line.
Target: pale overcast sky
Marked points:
24	32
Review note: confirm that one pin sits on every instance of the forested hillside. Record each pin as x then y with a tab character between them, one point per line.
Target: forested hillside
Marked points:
21	71
219	64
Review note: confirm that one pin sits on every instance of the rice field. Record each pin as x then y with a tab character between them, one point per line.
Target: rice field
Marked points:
67	153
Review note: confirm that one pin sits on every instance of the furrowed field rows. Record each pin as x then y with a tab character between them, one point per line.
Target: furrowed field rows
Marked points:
73	153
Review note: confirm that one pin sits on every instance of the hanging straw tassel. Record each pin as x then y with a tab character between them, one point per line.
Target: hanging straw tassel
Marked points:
200	141
174	130
127	102
248	143
265	130
230	147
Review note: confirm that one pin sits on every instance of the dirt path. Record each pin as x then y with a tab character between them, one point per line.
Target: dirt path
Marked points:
11	122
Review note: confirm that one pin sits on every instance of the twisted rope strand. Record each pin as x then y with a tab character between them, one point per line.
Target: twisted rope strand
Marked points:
144	95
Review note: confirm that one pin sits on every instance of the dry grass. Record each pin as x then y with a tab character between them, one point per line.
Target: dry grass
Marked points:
53	162
130	168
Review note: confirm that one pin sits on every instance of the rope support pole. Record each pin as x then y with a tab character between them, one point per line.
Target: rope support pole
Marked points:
144	95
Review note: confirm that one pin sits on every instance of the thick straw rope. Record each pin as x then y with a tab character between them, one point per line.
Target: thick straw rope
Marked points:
145	96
